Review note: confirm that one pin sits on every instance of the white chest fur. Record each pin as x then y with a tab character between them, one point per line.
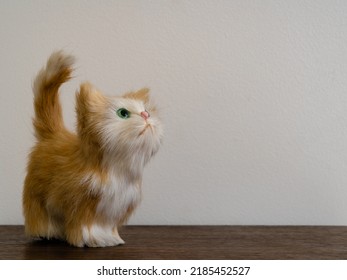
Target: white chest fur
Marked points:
117	196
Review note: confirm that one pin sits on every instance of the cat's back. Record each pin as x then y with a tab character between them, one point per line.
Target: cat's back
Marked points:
51	155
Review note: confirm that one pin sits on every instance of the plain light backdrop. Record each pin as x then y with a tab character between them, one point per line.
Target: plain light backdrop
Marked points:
253	95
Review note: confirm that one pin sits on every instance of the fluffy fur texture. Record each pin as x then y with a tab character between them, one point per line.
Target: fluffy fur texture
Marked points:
82	187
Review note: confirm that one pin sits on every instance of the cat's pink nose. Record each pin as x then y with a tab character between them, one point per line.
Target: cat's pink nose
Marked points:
145	115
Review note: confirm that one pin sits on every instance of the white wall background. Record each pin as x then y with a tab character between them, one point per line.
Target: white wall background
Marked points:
253	96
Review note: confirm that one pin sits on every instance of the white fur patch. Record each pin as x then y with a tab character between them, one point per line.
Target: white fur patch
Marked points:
116	196
100	236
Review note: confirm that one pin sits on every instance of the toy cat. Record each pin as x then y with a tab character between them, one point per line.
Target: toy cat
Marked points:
81	187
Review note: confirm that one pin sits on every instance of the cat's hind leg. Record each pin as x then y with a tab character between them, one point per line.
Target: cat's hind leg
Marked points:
36	219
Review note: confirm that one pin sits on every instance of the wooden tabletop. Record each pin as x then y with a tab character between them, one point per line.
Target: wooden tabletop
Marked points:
190	242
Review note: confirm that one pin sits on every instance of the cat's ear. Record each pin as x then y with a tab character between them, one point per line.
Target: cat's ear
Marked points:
88	96
89	102
142	94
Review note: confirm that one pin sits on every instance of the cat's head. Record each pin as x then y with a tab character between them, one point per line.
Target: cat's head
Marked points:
126	129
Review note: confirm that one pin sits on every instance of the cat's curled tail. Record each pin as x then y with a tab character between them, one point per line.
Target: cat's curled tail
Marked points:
48	114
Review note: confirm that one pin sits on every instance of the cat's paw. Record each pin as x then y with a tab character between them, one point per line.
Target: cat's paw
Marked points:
105	242
99	236
119	240
116	235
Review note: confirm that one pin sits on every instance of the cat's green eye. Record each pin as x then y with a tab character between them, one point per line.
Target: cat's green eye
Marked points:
123	113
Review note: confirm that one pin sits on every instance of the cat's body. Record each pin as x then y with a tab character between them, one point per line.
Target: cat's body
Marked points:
82	187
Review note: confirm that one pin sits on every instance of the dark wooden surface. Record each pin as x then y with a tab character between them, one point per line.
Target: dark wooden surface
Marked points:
190	242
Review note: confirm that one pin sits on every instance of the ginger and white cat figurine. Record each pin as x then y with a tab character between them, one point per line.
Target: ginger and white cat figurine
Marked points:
81	187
